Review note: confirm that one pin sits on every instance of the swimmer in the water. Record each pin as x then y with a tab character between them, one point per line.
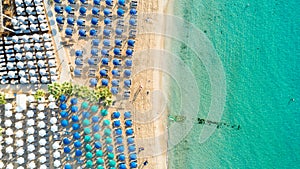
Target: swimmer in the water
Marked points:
291	100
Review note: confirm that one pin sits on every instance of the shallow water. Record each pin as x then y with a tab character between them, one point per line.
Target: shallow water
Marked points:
258	43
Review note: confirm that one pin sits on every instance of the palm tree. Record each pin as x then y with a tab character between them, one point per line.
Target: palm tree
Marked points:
2	99
55	89
39	94
67	88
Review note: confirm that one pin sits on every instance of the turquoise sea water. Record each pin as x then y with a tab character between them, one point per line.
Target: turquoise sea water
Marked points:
258	42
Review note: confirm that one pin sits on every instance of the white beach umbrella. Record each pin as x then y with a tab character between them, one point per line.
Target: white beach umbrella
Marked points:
41	116
25	38
30	98
43	166
52	105
33	79
55	145
53	71
23	28
15	39
54	78
30	130
1	163
42	142
54	128
8	113
42	150
53	120
37	46
42	133
36	37
31	165
44	79
23	81
10	166
42	159
57	163
20	167
29	10
41	18
18	56
49	53
19	134
14	21
9	140
8	106
37	1
20	10
17	47
51	62
22	73
9	149
10	65
27	46
20	65
30	64
30	113
30	122
43	26
51	98
48	45
29	55
20	143
11	74
39	9
41	107
19	116
33	27
9	131
41	63
19	125
41	100
39	55
56	154
20	160
41	124
7	123
28	2
20	151
46	36
31	72
31	148
22	19
18	2
30	139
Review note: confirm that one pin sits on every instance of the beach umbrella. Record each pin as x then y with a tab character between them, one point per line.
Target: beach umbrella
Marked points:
29	113
115	82
114	90
20	160
133	164
80	22
97	136
94	52
130	140
68	166
122	166
9	113
41	124
10	66
104	52
42	133
117	51
9	140
93	32
89	164
96	2
53	120
31	156
82	10
20	143
69	31
98	145
20	151
91	61
121	157
43	166
133	11
58	9
95	42
67	150
130	42
116	62
42	150
30	139
87	139
108	140
76	136
87	130
112	163
127	115
104	112
104	82
82	32
52	105
71	1
42	159
103	72
107	21
78	53
75	126
78	61
133	156
74	101
84	105
86	114
88	147
118	131
64	114
57	1
89	155
96	128
107	132
116	114
106	122
95	11
94	21
105	61
129	131
128	123
68	9
110	156
119	140
75	118
70	21
78	153
106	12
132	22
41	115
121	2
66	141
7	123
74	109
95	119
39	55
120	149
18	125
99	153
83	1
20	65
109	148
106	42
119	31
30	122
54	128
120	12
18	56
131	148
118	42
93	82
100	161
115	72
56	163
77	144
42	142
64	123
31	148
109	2
60	20
128	63
127	83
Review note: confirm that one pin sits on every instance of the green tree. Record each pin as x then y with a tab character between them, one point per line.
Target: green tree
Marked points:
39	94
2	99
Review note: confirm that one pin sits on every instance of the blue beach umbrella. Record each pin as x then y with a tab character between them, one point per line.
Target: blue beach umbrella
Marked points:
116	62
117	123
115	72
103	72
58	9
120	149
133	11
129	132
86	114
115	82
127	115
120	12
105	61
64	114
69	31
78	62
77	72
82	32
91	61
94	21
121	157
129	52
95	119
97	2
116	114
64	123
130	42
119	140
104	52
70	21
127	72
117	51
71	1
132	22
127	83
68	9
67	149
93	32
118	42
132	156
83	1
57	1
75	118
77	144
104	82
82	10
114	90
95	11
78	53
80	22
107	21
106	42
128	63
63	106
68	166
108	2
106	32
131	148
60	20
94	52
95	42
97	144
74	109
118	131
96	128
128	123
75	126
121	2
76	136
130	140
78	153
106	12
66	141
110	148
122	166
119	31
133	165
74	101
93	82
